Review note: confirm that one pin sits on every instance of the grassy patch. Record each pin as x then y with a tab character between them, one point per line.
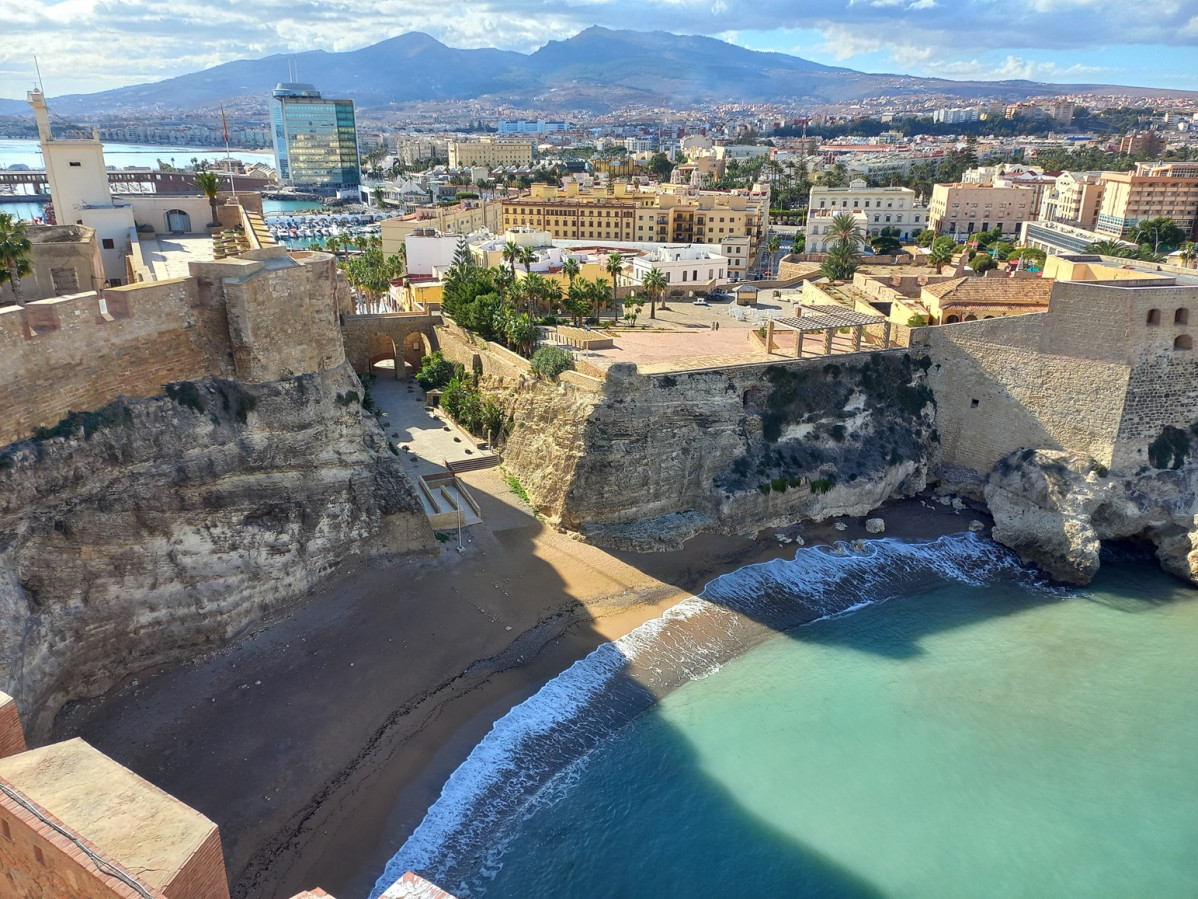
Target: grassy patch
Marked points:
514	483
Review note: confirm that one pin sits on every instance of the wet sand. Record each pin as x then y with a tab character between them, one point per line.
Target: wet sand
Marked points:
317	741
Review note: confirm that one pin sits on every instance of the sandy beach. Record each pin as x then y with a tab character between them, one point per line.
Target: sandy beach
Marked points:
317	740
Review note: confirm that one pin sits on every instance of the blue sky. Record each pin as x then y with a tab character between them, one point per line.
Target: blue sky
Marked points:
89	45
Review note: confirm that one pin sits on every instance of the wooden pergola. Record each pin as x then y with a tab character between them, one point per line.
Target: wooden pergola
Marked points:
828	319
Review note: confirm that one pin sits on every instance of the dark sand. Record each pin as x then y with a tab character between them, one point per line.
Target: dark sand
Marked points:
318	740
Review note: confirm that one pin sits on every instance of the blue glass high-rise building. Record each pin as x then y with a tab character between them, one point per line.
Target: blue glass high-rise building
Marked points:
316	140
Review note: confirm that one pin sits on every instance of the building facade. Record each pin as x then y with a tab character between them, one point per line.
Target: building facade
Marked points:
670	213
315	140
490	153
1151	191
1075	199
875	208
959	210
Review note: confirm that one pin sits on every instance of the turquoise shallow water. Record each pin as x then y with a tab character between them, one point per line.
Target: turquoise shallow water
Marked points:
963	741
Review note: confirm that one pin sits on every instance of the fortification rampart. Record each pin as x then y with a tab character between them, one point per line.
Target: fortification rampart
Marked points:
1099	375
256	319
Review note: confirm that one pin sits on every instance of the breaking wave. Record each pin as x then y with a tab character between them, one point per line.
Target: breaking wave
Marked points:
530	756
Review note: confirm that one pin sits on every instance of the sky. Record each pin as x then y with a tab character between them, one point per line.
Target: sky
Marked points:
90	45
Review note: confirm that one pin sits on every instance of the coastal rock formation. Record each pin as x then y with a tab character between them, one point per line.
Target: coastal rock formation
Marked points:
1054	509
645	461
151	528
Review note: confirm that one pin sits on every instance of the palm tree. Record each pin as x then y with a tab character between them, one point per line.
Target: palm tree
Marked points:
511	255
571	269
603	296
1188	252
209	185
844	230
535	288
942	252
1115	248
773	245
654	284
527	258
615	267
578	299
15	252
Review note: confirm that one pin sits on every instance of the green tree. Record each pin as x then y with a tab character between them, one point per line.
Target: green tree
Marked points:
1162	234
660	167
16	253
633	305
887	243
772	246
527	257
578	300
925	238
840	261
1115	248
654	284
209	185
799	244
614	267
941	254
571	268
844	230
982	263
603	295
436	371
1188	252
511	255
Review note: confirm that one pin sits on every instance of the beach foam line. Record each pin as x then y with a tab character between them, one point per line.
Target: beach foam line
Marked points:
534	752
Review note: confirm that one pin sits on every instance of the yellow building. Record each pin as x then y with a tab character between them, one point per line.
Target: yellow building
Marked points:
1151	191
670	213
962	209
463	218
489	152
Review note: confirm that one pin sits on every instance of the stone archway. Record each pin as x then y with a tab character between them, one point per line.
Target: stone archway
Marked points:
415	348
383	358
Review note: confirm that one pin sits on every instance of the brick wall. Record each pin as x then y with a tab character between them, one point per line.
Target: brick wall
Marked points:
38	862
203	876
12	735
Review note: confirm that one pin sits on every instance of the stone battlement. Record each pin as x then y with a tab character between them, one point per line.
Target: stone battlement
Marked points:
259	317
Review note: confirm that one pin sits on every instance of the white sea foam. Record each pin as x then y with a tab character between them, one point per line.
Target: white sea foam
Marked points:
535	751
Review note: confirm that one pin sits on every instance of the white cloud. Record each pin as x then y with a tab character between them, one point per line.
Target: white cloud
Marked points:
92	42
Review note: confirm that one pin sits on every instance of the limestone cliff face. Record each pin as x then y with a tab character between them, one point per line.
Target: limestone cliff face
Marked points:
149	529
1054	509
646	461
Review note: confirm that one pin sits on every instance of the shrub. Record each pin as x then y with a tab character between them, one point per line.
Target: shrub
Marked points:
822	485
1170	449
551	361
779	485
917	321
186	394
435	371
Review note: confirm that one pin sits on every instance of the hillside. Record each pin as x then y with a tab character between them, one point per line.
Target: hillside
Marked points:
596	70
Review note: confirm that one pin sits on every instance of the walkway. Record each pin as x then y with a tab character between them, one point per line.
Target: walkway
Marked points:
426	440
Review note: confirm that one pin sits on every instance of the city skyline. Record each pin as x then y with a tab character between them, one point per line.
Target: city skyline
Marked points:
1055	41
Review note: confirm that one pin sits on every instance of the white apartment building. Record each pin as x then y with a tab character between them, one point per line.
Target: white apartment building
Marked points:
875	207
955	116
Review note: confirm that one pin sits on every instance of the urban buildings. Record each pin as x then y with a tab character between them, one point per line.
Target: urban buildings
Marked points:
1153	190
1075	199
962	209
669	213
315	140
490	153
955	116
540	126
874	207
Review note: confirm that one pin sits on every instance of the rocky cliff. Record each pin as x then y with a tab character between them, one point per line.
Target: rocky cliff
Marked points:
151	528
1055	509
646	461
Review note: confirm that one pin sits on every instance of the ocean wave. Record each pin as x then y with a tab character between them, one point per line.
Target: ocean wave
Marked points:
535	751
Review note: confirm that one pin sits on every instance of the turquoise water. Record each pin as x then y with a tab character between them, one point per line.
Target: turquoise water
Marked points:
952	727
965	741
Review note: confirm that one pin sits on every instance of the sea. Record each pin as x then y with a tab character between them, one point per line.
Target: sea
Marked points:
26	152
949	725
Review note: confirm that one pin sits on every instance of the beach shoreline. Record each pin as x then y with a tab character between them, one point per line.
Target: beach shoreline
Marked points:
318	741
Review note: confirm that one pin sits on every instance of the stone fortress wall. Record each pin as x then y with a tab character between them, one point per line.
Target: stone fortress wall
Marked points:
261	317
1098	375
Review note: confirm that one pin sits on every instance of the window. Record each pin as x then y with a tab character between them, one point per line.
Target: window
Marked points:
75	165
1183	342
973	404
1181	317
6	829
107	243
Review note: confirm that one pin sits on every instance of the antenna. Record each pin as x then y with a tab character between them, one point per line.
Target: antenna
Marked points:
38	69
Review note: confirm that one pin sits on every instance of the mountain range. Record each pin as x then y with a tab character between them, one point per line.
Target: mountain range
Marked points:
597	70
